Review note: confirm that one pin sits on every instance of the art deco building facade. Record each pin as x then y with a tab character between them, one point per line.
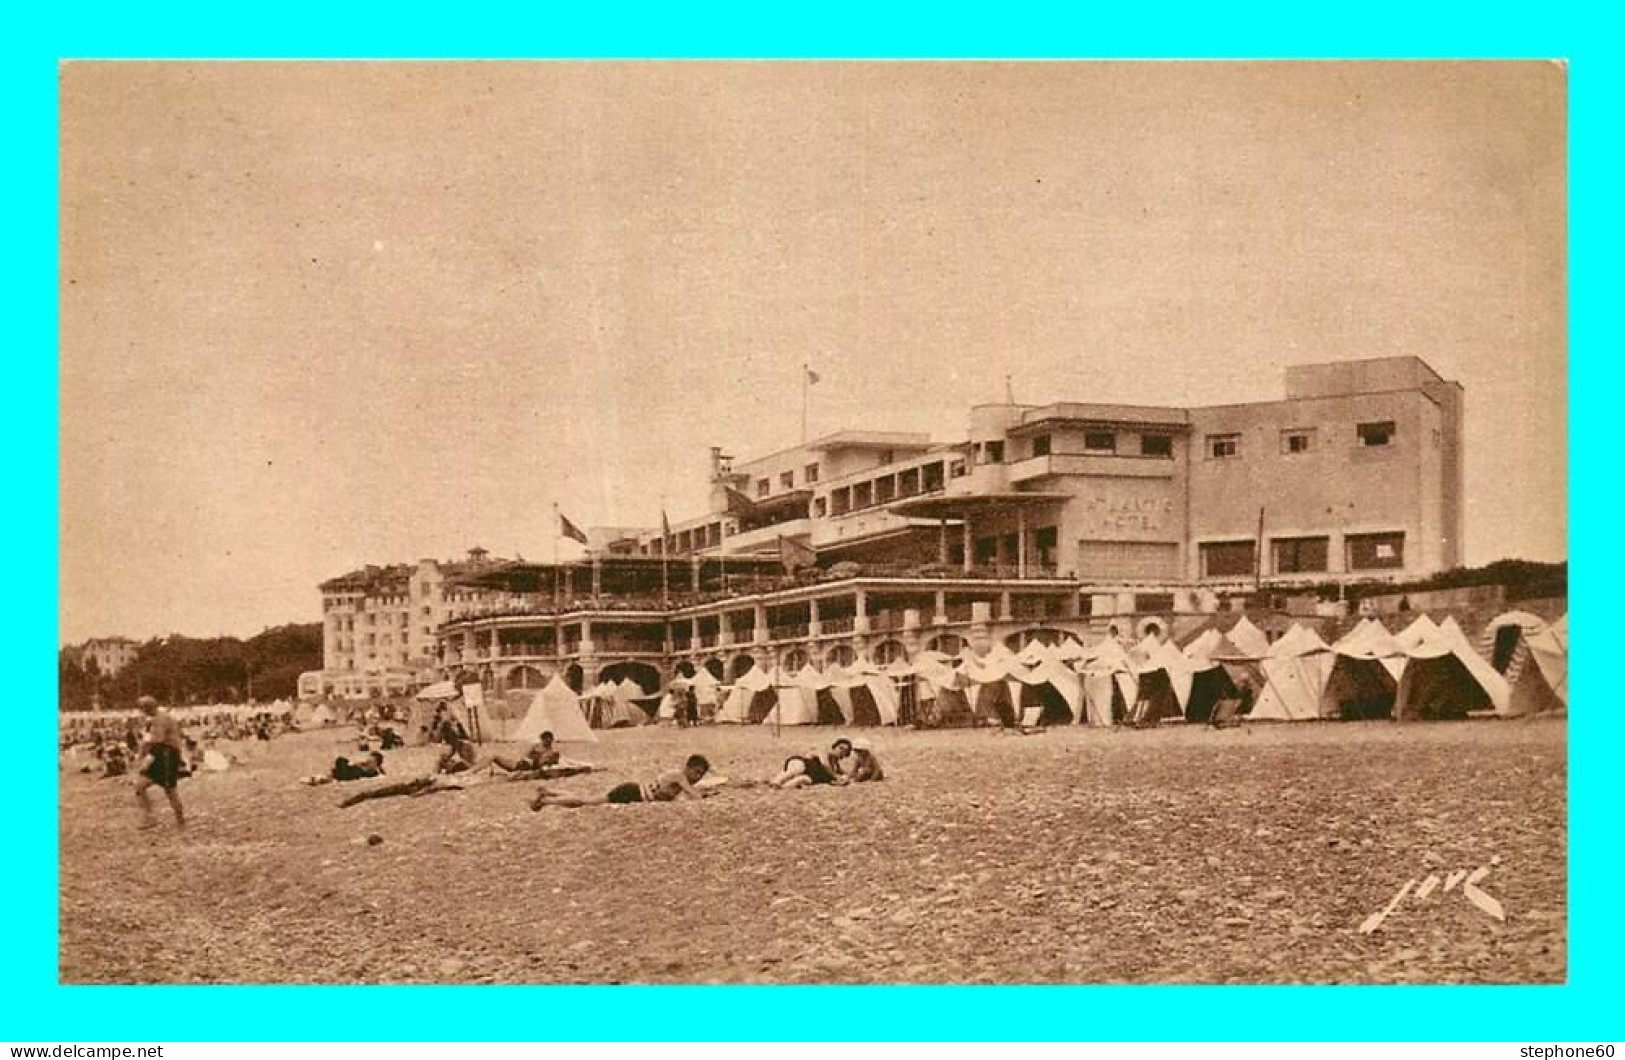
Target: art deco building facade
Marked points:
1064	516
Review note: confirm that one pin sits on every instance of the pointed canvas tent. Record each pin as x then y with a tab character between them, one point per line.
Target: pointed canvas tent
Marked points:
1110	685
1213	680
1248	638
1415	633
1165	685
705	687
1053	688
1531	691
1295	670
942	691
556	709
1445	678
1364	678
795	699
1069	650
322	715
750	699
439	690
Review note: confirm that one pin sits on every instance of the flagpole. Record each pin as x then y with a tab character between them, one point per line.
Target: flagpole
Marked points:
805	381
555	535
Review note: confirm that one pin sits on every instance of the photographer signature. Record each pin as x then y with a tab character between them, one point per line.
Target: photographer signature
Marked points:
1469	890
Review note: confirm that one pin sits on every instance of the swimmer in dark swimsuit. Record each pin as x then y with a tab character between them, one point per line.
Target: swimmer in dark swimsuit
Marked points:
162	765
667	787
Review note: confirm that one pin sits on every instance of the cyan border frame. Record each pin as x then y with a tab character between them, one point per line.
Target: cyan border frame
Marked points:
35	1008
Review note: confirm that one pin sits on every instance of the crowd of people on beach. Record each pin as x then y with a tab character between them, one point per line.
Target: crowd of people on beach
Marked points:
156	749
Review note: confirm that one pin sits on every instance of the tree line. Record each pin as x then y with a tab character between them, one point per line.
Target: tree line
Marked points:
185	670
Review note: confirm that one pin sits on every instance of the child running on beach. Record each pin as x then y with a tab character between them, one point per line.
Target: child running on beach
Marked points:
667	787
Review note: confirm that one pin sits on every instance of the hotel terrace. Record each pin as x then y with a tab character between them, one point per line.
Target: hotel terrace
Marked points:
1074	517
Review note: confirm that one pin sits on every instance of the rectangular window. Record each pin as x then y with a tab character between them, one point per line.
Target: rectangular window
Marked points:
995	452
809	474
1040	445
763	486
1157	445
1378	433
1300	555
840	502
1297	440
1223	446
787	480
1375	551
1229	559
987	550
863	494
908	483
1099	442
820	507
1153	603
957	467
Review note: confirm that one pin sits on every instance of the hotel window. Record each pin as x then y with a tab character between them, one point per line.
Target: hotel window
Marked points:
1223	446
810	474
956	469
1229	559
1375	551
863	494
1297	440
1040	445
820	507
840	501
987	551
1099	442
1300	555
995	452
762	487
1045	540
1378	433
787	480
1157	445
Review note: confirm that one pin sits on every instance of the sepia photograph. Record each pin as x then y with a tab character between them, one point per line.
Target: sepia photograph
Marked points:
813	522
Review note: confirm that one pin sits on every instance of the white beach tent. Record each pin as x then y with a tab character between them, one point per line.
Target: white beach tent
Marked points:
556	709
1550	647
797	698
1295	669
751	685
1531	687
1366	668
1110	686
1248	638
1444	677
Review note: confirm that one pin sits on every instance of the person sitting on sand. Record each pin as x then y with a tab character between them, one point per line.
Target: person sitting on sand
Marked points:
865	766
801	771
667	787
459	757
542	755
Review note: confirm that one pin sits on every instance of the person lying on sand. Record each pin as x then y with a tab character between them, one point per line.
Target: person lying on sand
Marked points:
667	787
345	770
541	755
541	762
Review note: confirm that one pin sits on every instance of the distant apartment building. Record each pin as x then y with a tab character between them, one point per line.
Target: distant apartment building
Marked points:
380	624
1069	516
107	655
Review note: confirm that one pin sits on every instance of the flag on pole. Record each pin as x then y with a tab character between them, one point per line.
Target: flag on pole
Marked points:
812	377
793	554
571	530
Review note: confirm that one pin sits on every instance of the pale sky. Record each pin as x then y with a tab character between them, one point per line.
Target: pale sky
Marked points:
321	315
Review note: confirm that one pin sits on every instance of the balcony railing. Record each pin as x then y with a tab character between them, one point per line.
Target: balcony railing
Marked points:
794	631
837	625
